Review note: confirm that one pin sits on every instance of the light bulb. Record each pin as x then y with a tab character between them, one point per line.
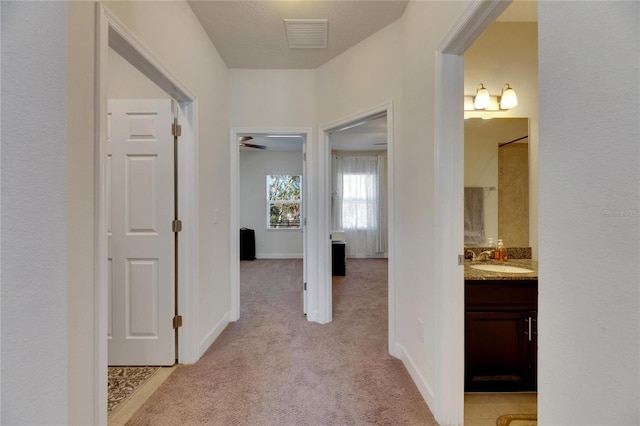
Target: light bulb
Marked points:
508	99
482	99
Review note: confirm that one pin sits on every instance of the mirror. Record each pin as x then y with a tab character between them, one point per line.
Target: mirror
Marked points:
496	181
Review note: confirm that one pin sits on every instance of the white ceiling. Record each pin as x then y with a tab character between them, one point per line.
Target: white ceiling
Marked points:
251	34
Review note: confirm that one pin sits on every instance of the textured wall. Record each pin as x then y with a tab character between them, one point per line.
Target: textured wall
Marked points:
34	277
589	297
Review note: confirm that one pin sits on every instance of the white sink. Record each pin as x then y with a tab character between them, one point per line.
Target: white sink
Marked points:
502	268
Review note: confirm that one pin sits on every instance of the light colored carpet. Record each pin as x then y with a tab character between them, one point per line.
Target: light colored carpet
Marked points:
123	382
272	367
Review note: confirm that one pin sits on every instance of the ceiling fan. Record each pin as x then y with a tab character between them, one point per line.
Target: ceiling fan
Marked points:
243	142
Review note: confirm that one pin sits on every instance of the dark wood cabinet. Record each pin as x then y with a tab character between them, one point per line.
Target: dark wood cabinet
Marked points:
500	335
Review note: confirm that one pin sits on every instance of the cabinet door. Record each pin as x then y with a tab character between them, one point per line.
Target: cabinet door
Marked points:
498	354
533	348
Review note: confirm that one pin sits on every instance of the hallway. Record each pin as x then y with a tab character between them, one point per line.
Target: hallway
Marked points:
273	367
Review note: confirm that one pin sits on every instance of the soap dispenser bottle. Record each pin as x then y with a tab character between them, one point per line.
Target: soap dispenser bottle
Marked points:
501	252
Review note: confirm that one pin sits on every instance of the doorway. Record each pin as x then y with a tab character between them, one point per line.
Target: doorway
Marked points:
359	188
269	154
111	33
382	114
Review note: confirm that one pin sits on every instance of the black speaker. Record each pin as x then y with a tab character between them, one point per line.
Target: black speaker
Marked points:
247	244
338	258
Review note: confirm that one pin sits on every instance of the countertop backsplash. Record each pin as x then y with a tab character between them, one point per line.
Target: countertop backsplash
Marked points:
512	252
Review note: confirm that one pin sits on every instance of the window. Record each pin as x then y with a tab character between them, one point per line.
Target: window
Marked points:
358	192
359	202
283	201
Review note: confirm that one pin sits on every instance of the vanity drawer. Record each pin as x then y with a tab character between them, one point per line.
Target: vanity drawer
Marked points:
501	295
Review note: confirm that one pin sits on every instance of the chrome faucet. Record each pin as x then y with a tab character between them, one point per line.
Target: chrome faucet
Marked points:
485	255
473	254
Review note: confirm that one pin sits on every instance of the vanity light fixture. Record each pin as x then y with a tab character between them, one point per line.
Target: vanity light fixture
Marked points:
508	99
484	101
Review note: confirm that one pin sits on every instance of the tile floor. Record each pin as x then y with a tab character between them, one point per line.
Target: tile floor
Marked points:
482	409
123	413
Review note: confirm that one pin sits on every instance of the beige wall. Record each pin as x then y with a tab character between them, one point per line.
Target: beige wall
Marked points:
272	98
513	195
507	52
127	82
80	212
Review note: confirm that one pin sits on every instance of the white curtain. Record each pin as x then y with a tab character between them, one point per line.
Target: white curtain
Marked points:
359	203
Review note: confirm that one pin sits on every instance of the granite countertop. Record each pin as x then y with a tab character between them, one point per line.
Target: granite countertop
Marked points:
476	274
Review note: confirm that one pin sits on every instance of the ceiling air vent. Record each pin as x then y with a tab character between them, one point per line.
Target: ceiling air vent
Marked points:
307	33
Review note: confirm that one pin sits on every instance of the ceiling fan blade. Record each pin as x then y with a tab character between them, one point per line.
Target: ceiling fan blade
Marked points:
244	138
251	145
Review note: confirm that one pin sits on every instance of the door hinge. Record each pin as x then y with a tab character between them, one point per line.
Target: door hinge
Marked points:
176	129
461	259
176	225
304	157
304	286
305	221
177	321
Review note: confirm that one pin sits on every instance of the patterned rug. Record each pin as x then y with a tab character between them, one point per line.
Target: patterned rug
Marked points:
517	420
124	382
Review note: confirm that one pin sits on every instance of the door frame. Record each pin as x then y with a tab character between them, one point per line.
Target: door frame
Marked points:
324	183
234	212
449	204
111	32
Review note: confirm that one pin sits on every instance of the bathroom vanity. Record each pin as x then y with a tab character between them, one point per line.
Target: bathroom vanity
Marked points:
501	328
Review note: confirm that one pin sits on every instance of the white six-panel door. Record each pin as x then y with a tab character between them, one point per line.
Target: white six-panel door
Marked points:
140	202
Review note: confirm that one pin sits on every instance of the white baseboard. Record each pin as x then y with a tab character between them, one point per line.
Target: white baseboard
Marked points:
368	256
397	351
213	334
278	255
425	390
